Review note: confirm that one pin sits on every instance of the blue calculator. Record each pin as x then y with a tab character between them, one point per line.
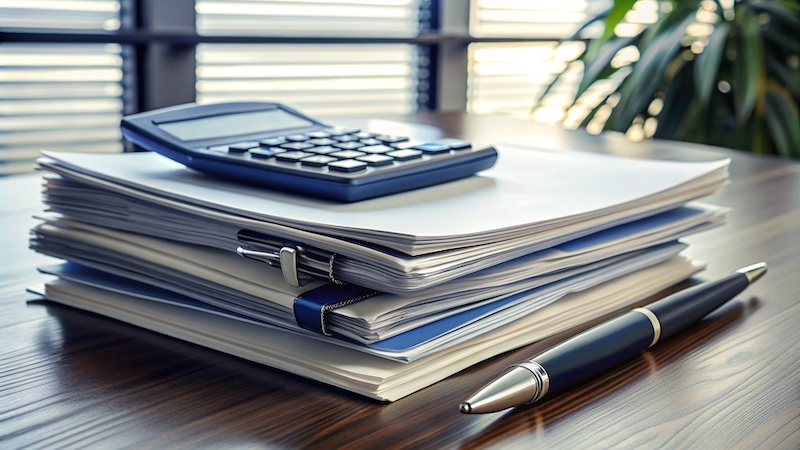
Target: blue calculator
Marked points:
273	145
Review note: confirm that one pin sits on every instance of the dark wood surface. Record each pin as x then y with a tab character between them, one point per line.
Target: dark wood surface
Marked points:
70	379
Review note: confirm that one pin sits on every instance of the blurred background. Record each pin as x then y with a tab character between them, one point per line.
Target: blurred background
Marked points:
712	71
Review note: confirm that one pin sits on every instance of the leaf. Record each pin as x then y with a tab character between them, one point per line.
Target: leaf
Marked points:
706	66
747	68
783	120
777	11
576	33
648	73
615	15
677	100
784	75
594	69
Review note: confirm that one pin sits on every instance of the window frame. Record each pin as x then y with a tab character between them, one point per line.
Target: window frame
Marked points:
159	40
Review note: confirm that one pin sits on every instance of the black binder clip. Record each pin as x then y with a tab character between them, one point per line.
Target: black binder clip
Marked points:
298	264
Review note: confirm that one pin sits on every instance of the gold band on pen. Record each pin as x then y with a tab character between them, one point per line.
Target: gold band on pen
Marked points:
653	321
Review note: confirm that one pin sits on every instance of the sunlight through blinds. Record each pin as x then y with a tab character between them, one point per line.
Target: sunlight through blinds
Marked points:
321	79
508	77
58	96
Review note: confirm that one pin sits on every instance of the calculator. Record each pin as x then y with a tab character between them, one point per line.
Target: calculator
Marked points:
278	147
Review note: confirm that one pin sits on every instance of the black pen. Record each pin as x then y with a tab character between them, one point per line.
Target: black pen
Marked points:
607	344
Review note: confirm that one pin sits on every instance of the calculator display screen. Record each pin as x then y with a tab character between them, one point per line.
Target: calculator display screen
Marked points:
234	124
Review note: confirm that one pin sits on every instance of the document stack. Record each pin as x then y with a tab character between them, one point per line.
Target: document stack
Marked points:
381	297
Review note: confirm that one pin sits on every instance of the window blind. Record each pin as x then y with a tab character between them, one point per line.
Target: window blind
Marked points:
509	77
58	96
320	79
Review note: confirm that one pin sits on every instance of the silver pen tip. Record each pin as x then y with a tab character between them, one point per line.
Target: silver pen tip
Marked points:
754	272
465	408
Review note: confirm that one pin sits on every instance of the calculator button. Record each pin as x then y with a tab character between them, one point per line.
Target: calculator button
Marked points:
340	131
296	146
318	134
264	153
347	154
241	147
405	155
218	149
430	147
321	141
387	139
292	156
376	160
316	160
323	150
347	165
370	141
348	145
376	149
454	144
364	135
296	137
269	142
346	138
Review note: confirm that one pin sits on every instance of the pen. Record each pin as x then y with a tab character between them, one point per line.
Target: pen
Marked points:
607	344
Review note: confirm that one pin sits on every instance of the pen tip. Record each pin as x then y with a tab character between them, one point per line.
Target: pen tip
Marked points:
465	408
754	272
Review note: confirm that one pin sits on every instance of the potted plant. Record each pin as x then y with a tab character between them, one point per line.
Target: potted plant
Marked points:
716	72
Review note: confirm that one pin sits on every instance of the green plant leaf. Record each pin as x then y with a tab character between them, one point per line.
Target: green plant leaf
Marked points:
575	34
784	75
748	67
783	120
615	15
595	68
777	11
782	40
707	63
648	73
677	100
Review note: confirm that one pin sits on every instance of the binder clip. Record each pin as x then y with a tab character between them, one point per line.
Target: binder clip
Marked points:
298	264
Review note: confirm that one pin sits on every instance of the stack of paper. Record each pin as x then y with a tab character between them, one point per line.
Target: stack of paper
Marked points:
439	278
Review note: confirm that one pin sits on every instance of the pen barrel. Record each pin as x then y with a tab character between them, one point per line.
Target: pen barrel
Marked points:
596	349
686	307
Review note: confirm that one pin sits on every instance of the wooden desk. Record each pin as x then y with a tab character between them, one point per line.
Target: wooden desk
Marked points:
73	379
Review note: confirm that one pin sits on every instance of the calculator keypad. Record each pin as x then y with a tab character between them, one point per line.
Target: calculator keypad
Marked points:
339	150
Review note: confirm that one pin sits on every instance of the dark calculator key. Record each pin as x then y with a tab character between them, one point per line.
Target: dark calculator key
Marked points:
376	149
318	134
321	141
340	131
297	137
264	153
370	141
346	138
376	160
241	147
405	154
269	142
292	156
347	165
454	144
218	148
348	145
387	139
316	160
323	150
296	146
345	154
430	147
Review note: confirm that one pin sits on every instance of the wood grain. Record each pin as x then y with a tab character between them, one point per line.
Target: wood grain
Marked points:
70	379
